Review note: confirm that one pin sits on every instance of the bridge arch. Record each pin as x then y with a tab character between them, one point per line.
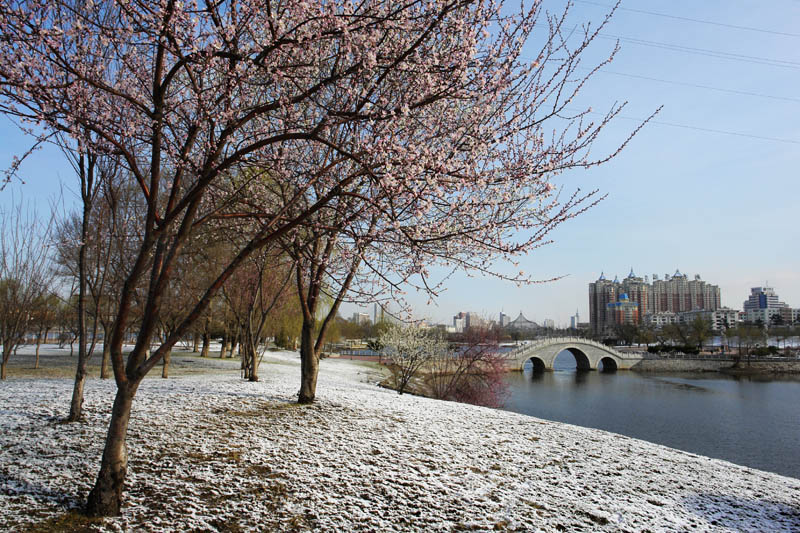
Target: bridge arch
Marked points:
537	365
609	365
588	354
582	361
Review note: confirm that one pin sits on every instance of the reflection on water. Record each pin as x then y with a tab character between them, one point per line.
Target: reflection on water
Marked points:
749	421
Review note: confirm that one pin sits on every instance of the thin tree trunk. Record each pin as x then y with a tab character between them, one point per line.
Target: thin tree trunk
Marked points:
105	365
195	342
206	342
6	356
38	344
309	364
165	364
76	405
253	347
106	496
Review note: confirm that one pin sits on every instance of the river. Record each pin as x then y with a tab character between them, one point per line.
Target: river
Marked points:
750	421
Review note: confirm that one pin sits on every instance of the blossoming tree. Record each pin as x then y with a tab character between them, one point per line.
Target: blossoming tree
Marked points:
428	107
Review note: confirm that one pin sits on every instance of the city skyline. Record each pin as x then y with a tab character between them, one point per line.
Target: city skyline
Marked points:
561	316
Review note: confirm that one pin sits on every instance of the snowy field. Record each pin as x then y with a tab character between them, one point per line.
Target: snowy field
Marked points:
209	452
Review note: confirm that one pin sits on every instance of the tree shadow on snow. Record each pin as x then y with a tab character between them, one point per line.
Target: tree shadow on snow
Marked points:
745	515
12	487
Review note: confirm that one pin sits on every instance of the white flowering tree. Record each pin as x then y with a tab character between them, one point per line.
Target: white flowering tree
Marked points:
410	348
430	119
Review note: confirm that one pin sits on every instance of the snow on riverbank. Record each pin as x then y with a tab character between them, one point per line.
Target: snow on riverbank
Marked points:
213	453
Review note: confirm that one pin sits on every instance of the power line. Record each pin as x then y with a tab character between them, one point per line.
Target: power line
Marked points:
699	86
693	85
689	19
699	128
706	52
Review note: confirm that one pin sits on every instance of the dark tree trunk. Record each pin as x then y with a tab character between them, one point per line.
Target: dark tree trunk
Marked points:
309	364
105	365
106	496
206	342
76	405
195	342
38	345
6	356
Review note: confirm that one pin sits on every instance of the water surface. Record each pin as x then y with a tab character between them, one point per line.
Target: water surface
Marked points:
749	421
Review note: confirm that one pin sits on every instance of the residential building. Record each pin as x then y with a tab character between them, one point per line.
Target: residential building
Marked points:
720	319
677	293
622	312
765	317
672	294
601	293
659	320
549	323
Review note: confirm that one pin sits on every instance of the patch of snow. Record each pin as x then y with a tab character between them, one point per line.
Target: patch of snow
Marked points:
210	452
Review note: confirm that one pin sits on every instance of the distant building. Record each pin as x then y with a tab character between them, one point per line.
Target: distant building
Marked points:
575	320
763	306
659	320
549	323
766	316
623	312
763	298
360	318
522	323
465	320
673	294
504	319
720	319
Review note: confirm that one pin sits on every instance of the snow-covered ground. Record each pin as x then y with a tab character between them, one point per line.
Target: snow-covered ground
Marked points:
209	452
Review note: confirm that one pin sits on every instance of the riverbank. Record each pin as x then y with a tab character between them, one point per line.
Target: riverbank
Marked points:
209	452
700	364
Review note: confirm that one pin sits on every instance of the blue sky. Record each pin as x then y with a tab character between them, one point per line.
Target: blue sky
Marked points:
722	206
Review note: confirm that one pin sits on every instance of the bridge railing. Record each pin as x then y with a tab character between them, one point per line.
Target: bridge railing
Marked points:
522	349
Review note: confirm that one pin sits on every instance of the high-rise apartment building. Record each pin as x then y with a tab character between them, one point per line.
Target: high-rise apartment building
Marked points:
622	312
672	294
601	293
678	294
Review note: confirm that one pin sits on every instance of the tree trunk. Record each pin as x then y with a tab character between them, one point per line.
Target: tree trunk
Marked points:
76	406
195	342
38	344
6	356
105	366
105	498
224	347
165	364
234	345
309	365
206	342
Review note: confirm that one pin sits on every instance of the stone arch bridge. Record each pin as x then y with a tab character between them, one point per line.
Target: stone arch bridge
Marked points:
588	354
